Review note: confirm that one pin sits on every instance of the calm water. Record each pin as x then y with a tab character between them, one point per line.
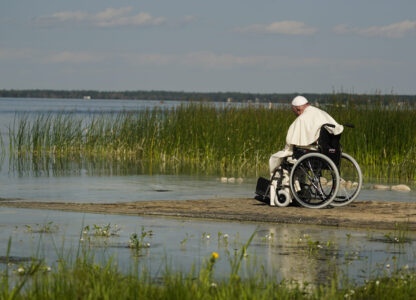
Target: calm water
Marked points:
356	253
86	183
306	253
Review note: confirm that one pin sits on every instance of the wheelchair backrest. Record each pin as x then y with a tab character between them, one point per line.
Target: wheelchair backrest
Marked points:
329	145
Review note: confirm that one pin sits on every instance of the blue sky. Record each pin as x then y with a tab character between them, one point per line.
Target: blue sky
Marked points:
263	46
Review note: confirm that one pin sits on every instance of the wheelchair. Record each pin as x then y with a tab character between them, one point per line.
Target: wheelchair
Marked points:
319	176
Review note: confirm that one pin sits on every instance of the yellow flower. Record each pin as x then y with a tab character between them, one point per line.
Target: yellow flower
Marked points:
214	255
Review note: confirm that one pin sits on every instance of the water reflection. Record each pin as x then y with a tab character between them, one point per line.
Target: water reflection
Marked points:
77	164
305	253
299	258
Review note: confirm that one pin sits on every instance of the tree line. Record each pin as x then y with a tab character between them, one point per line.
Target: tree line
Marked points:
208	97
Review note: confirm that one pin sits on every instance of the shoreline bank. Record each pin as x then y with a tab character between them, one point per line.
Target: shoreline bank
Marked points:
360	214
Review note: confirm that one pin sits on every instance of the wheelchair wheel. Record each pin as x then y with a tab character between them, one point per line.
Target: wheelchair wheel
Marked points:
351	181
314	180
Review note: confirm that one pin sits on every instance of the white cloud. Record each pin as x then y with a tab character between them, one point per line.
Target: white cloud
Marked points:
74	57
396	30
205	60
110	17
10	54
187	19
210	60
283	27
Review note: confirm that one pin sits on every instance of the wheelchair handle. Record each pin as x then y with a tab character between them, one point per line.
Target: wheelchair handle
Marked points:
346	125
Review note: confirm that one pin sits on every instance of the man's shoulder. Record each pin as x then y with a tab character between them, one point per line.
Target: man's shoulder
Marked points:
313	110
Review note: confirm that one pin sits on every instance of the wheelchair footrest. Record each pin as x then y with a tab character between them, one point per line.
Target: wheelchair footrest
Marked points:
262	187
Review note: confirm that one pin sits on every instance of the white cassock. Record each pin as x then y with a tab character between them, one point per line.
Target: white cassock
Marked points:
303	132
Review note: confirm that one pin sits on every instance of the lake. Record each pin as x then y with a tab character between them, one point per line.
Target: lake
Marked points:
289	250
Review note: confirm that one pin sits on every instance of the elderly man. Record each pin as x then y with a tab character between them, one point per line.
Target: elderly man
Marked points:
303	133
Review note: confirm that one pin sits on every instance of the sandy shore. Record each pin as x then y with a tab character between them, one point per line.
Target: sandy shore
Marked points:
362	214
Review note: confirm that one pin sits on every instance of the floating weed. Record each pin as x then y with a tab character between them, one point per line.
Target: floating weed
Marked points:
42	228
400	234
223	240
101	230
185	240
31	268
315	247
138	242
268	238
352	255
206	236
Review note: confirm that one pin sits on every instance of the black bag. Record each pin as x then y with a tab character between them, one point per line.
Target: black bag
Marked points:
329	145
262	187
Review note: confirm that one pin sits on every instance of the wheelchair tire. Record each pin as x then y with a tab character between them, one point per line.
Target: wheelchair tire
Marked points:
282	198
314	180
351	181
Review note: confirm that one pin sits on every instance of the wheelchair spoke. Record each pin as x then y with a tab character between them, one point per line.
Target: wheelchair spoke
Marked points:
314	180
350	182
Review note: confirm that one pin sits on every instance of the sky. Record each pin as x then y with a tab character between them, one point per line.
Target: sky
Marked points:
262	46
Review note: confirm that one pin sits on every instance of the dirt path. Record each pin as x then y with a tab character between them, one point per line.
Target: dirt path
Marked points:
362	214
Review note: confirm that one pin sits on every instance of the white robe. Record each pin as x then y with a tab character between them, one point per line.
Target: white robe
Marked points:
303	132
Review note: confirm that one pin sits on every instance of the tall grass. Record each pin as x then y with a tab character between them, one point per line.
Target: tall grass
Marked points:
211	140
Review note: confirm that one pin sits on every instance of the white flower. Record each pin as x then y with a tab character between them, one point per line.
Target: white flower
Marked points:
377	282
214	285
20	270
208	236
48	269
226	236
388	266
81	239
147	245
406	267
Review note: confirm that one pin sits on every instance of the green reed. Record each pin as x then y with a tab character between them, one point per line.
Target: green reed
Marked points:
202	138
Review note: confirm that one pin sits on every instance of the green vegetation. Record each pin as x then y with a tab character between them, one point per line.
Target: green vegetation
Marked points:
209	97
86	279
202	138
42	228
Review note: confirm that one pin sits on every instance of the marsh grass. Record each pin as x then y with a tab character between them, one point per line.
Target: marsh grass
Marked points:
400	235
85	278
204	139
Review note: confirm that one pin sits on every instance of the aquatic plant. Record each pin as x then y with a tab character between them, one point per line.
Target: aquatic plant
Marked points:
138	242
85	278
42	228
207	139
400	235
101	230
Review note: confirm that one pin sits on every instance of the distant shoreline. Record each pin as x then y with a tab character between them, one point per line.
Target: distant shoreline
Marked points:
201	96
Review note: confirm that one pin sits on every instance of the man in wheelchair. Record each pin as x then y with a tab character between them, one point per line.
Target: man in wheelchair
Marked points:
306	170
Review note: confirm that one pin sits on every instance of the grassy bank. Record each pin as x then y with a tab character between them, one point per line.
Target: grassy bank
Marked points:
205	139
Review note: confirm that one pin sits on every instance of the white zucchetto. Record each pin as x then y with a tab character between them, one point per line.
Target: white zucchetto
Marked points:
299	101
